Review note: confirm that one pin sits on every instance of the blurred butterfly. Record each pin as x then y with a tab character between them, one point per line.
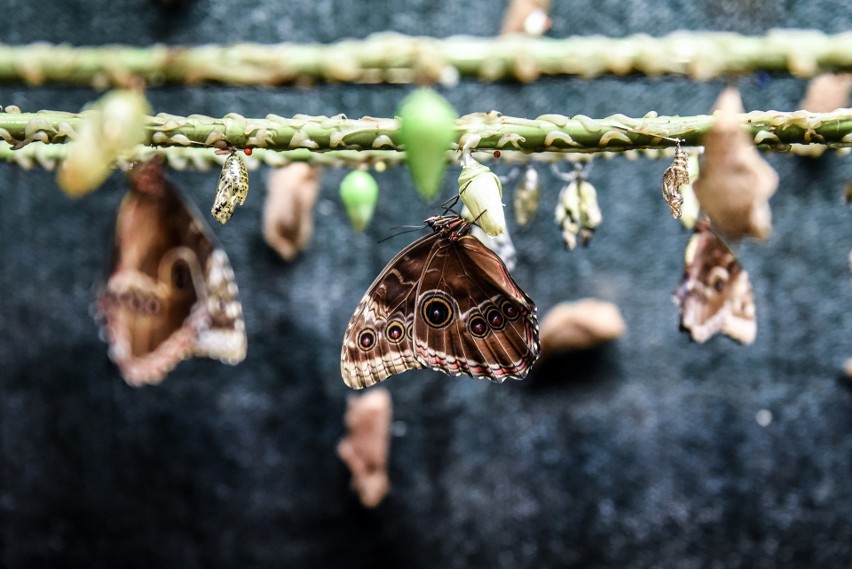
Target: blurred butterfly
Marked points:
170	294
715	293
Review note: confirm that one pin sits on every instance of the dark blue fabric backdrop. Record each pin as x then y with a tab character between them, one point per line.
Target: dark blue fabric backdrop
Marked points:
646	453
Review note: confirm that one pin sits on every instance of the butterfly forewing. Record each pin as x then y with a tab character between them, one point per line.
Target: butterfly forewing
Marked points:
371	349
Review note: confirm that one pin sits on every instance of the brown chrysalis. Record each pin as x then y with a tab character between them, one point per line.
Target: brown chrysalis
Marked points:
674	177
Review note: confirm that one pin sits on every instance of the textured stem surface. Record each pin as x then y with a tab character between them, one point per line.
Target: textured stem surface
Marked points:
484	131
395	58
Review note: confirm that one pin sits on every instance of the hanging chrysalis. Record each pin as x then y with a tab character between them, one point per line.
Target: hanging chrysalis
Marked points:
577	211
359	193
232	188
736	182
288	215
527	196
690	209
365	447
580	325
481	191
826	92
113	126
527	16
427	130
674	177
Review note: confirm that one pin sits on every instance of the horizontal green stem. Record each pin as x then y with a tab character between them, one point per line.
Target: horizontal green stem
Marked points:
48	156
483	131
395	58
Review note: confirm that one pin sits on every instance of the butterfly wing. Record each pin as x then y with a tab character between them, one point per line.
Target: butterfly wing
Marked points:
471	317
377	342
715	293
170	293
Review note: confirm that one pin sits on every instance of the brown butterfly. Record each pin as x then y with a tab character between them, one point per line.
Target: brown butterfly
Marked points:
715	293
171	293
445	302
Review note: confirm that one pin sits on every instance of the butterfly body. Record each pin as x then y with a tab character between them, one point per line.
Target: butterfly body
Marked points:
445	302
170	293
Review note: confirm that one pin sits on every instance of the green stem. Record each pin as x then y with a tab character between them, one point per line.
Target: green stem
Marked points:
771	130
395	58
48	156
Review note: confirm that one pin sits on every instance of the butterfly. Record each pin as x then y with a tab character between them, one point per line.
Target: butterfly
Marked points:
445	302
715	293
170	293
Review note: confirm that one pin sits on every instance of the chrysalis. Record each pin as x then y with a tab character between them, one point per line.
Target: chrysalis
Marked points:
736	182
527	16
288	215
114	125
580	325
527	196
359	193
481	191
674	177
577	211
365	447
232	188
690	209
427	130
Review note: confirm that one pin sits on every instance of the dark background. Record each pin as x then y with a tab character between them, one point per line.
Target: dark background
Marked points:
644	453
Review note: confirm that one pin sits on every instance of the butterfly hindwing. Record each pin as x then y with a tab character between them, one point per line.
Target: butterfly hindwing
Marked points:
471	317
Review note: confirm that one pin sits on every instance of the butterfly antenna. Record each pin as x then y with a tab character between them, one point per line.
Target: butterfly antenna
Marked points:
403	230
448	205
475	221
